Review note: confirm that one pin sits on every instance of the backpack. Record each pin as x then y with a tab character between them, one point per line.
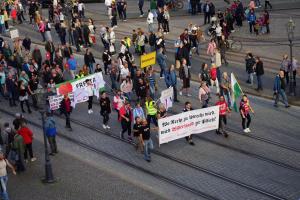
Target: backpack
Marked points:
213	74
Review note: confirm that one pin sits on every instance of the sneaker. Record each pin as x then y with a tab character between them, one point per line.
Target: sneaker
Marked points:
104	126
245	131
189	95
180	93
248	130
89	111
130	138
141	15
191	143
92	111
33	159
70	129
108	127
124	20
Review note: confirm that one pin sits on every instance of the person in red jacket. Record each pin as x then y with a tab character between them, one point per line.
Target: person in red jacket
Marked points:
27	135
222	116
125	117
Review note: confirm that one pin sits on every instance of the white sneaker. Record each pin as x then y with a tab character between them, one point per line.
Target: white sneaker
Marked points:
108	127
89	111
141	15
248	130
189	95
104	126
245	131
180	93
92	111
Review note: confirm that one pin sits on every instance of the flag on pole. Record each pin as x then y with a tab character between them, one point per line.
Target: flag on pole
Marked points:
236	91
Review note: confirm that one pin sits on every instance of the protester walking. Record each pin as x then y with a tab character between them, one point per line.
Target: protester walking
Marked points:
250	62
66	109
223	110
259	70
279	89
145	137
105	109
27	135
50	130
125	117
4	163
245	109
187	108
171	80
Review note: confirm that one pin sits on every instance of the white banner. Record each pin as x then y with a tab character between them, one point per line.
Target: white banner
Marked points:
187	123
96	79
54	101
167	97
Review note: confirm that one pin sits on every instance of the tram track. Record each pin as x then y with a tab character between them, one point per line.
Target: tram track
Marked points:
160	154
123	161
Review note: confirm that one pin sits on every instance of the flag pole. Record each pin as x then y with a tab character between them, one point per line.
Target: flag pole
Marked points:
243	93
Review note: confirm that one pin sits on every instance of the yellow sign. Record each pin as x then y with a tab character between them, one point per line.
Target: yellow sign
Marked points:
148	59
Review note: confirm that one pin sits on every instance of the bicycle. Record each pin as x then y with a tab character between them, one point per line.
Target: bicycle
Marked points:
234	45
175	4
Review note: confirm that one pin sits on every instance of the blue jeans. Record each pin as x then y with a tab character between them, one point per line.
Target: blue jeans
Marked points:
148	145
91	68
4	194
281	92
259	82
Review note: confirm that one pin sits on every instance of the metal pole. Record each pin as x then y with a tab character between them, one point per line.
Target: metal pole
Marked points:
292	85
49	178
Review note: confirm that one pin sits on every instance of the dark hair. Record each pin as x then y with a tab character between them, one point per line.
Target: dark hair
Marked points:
6	124
186	103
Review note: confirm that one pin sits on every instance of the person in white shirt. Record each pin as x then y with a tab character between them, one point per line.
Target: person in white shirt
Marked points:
124	71
219	32
81	9
150	20
112	40
90	92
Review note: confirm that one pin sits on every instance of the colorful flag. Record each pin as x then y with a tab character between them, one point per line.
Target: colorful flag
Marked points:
236	91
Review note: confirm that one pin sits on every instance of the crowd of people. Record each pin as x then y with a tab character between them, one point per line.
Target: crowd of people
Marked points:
24	70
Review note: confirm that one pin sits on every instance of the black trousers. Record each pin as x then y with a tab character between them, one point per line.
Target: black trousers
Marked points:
248	119
222	123
27	104
126	126
28	149
34	100
153	119
105	116
90	102
52	143
206	18
68	121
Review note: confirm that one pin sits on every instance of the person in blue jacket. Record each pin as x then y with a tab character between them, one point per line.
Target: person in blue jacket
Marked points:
50	130
251	20
279	89
171	80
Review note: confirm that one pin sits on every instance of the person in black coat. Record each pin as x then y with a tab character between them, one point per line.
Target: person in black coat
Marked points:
250	62
106	58
62	34
89	60
259	70
206	11
66	109
183	53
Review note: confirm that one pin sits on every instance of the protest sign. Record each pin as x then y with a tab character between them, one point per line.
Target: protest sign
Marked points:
148	59
167	97
54	101
14	33
187	123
